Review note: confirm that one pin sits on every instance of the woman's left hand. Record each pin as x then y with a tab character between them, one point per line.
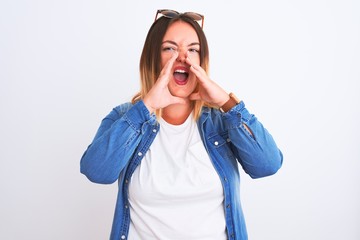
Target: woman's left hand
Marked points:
208	91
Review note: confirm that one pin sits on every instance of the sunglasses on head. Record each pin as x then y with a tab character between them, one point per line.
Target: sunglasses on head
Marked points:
172	13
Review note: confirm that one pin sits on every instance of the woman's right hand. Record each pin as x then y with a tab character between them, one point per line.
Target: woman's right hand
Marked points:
159	95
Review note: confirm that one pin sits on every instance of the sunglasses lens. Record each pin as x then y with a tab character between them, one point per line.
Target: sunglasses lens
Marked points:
195	16
169	13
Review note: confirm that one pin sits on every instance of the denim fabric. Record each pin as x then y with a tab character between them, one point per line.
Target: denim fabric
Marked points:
127	132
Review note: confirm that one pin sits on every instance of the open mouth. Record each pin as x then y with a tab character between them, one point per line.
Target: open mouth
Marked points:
181	75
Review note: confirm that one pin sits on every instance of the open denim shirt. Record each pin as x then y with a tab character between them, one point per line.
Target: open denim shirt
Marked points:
126	134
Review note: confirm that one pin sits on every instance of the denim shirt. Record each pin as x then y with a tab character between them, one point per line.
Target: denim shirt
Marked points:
127	132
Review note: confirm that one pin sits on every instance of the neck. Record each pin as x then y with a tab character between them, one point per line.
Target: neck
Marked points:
177	114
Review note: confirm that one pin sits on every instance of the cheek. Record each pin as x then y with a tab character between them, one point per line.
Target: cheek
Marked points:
195	57
165	57
193	81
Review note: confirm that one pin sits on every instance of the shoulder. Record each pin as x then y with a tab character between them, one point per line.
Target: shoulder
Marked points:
210	115
210	112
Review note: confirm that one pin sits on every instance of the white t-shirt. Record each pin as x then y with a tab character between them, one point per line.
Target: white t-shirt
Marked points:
175	193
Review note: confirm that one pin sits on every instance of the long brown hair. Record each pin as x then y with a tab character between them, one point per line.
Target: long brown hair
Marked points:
150	61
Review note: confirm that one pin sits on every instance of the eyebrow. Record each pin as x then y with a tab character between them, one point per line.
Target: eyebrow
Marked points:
174	43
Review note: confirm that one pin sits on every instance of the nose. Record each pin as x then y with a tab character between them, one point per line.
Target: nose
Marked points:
182	56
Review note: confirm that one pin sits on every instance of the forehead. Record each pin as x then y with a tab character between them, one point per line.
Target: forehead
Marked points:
181	32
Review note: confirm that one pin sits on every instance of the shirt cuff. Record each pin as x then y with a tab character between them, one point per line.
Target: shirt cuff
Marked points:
237	115
138	114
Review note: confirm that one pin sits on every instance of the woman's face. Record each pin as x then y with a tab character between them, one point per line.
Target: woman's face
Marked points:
182	38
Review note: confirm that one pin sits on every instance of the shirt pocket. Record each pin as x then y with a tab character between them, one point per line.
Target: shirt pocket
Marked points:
220	142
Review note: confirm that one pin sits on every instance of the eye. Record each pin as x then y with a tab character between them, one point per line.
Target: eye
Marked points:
194	50
168	49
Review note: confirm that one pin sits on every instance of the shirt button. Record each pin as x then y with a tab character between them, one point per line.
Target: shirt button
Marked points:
154	130
139	154
126	181
228	206
123	237
216	143
228	140
126	206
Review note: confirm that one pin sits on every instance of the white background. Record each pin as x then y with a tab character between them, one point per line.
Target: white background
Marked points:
65	64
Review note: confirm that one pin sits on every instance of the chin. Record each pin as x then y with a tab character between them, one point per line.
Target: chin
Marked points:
183	91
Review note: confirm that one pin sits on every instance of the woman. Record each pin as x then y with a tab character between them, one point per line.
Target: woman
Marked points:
175	149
